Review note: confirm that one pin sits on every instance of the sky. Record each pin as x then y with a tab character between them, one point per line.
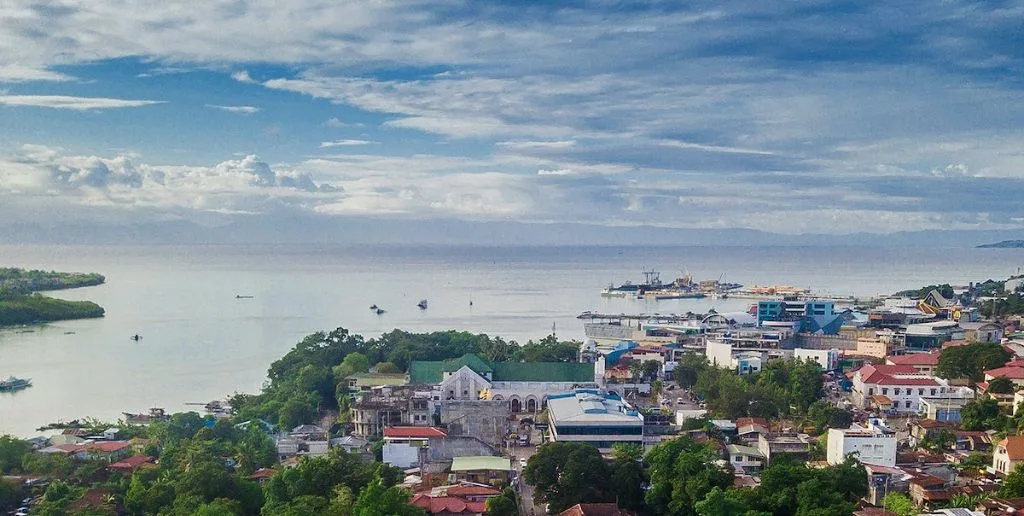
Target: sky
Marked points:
788	117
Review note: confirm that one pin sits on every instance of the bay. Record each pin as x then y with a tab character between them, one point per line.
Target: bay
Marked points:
199	342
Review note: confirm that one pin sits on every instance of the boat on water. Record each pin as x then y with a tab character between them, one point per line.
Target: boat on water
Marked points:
136	337
155	414
683	287
13	383
240	296
422	304
373	307
379	311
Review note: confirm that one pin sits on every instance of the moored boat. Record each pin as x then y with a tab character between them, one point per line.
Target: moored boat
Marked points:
14	384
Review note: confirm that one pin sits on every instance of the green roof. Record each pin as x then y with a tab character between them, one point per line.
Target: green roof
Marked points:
543	372
377	379
421	372
481	462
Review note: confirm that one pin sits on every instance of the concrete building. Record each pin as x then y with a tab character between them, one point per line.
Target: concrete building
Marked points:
586	415
900	388
724	354
745	458
382	406
1008	454
482	469
486	420
797	446
942	409
828	359
524	386
982	331
405	446
924	363
872	444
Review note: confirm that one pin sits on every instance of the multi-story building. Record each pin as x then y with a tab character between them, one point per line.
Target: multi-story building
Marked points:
380	407
924	363
814	316
871	444
1008	454
900	387
405	446
586	415
828	359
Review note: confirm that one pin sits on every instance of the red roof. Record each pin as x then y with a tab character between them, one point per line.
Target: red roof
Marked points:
931	359
131	463
1013	372
884	374
1014	445
465	490
447	504
414	432
262	473
107	446
595	509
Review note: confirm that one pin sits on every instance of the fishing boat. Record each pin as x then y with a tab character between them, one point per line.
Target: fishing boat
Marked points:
379	311
14	384
240	296
373	307
422	304
136	337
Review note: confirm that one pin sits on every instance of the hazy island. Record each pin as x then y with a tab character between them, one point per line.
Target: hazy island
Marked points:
21	303
1005	244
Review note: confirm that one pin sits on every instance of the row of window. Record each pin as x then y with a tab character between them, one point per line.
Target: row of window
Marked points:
599	430
896	391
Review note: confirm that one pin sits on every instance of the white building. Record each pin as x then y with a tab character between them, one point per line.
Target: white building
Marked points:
586	415
723	354
873	444
403	444
900	387
828	359
745	458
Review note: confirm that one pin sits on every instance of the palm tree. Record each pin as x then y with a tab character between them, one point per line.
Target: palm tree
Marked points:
636	369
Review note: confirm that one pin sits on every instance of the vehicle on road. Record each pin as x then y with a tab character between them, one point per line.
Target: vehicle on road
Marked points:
522	462
680	401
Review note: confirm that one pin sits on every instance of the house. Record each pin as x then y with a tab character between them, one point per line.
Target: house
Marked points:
796	446
587	415
883	480
827	359
108	451
746	459
872	444
927	490
403	444
462	500
596	509
1014	371
942	409
309	433
929	429
367	381
350	443
982	331
525	386
974	441
262	475
1009	453
482	469
129	464
749	428
902	387
924	363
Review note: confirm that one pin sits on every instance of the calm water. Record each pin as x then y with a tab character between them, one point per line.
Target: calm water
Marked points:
200	343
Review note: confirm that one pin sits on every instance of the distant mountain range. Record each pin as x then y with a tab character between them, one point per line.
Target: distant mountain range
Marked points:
368	231
1005	244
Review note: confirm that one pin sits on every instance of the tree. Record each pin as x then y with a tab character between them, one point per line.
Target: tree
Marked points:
353	363
651	368
900	504
503	504
12	453
636	369
690	366
387	368
682	473
724	503
657	387
567	473
628	476
971	361
981	414
1013	484
1001	385
377	500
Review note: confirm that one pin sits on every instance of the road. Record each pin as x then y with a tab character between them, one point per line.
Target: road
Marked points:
526	491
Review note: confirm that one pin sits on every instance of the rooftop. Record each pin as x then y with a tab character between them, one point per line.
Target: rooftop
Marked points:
481	463
1013	372
424	373
586	406
377	379
915	359
1014	445
414	432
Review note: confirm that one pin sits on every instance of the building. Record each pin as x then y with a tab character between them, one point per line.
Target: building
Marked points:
924	363
482	469
942	409
452	500
586	415
982	331
827	359
596	509
1014	371
1008	454
900	387
797	446
403	445
815	316
367	381
525	386
384	406
745	458
487	420
725	354
872	444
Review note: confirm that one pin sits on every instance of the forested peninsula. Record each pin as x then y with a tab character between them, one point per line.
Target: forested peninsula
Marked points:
21	302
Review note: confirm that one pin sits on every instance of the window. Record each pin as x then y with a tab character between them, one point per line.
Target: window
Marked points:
907	404
885	390
896	391
933	391
871	391
920	392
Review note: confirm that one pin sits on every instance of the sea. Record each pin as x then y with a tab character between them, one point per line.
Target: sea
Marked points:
200	341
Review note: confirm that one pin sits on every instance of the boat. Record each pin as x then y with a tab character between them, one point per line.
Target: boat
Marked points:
379	311
155	414
240	296
373	307
13	383
136	337
422	304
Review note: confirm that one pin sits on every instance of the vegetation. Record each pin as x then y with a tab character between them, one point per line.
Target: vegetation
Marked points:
971	361
782	388
900	504
20	281
1012	304
983	414
945	289
1001	385
35	308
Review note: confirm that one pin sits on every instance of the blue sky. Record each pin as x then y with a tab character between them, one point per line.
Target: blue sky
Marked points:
818	116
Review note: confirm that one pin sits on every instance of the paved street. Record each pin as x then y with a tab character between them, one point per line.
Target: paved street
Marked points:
526	491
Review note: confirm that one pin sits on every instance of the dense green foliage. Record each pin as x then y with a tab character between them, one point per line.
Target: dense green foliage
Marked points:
1001	385
945	289
1012	304
690	366
971	361
782	388
982	414
20	281
900	504
682	473
36	308
566	473
823	415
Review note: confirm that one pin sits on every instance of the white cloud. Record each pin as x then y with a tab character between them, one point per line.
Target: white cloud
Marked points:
337	123
241	110
243	76
19	73
344	143
74	103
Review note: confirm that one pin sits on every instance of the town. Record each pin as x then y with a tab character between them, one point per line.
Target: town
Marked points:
798	406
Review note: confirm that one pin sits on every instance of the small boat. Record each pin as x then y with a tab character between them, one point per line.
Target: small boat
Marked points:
136	337
155	414
239	296
14	384
379	311
422	304
373	307
69	333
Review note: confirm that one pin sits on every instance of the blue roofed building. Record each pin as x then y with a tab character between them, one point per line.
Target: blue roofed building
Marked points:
814	316
587	415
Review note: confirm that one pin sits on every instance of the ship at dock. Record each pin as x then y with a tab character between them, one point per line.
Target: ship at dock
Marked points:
683	287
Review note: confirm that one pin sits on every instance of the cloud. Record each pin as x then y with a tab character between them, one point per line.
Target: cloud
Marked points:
243	76
344	143
73	103
12	73
337	123
241	110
